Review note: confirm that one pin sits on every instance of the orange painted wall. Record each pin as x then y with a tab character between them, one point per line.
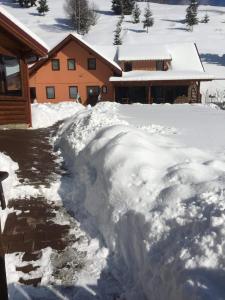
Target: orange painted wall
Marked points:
81	77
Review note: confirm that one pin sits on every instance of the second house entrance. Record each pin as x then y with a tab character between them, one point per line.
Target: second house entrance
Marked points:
93	93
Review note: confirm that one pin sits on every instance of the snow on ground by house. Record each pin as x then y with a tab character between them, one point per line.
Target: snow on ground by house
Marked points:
155	199
168	27
44	115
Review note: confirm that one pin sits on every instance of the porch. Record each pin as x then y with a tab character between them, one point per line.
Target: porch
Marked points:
158	92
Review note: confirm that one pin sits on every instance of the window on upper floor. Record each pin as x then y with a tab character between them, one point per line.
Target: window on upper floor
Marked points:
71	64
128	67
55	65
160	65
50	92
91	64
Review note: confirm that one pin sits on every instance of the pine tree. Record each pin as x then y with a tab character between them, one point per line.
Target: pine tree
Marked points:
43	7
192	14
205	19
125	6
148	20
136	14
117	37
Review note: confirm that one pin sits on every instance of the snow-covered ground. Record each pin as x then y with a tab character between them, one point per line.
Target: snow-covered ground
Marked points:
44	115
153	193
147	188
168	27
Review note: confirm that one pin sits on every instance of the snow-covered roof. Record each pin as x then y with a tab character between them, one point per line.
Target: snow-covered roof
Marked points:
23	27
162	76
185	56
143	52
185	63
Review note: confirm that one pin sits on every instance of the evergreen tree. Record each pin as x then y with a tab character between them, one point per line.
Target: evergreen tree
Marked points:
123	6
205	19
148	18
117	36
43	7
81	14
192	14
136	14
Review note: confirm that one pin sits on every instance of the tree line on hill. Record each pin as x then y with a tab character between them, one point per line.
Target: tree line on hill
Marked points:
83	14
131	7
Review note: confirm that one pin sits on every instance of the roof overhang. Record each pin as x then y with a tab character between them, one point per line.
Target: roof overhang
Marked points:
24	36
149	76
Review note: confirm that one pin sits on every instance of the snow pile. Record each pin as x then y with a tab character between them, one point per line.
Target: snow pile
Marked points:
158	205
44	115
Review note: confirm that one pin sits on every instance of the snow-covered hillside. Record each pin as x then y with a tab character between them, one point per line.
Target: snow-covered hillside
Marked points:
169	26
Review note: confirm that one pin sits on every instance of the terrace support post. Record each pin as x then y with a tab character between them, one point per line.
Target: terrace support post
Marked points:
149	94
3	281
198	92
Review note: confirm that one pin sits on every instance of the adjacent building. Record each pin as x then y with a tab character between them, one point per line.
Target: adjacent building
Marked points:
18	46
75	70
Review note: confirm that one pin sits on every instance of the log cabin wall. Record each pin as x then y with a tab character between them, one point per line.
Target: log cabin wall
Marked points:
15	109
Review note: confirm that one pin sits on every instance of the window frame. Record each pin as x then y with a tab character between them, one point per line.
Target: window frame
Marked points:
47	87
74	60
128	66
88	63
55	59
7	92
162	65
73	86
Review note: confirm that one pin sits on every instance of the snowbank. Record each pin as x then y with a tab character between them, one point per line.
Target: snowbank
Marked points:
8	165
44	115
158	205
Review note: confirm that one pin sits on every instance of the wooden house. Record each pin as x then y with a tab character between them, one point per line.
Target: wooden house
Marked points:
160	73
18	46
75	70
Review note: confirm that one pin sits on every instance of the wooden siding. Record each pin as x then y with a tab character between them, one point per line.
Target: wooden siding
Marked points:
143	65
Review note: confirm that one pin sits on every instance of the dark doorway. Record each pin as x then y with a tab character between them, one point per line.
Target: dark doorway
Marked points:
168	94
131	95
32	94
93	93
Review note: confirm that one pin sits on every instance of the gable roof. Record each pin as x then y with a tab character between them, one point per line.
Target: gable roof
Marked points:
185	64
11	25
74	37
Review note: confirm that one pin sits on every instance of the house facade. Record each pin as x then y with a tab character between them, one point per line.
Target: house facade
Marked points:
73	71
18	46
149	74
159	74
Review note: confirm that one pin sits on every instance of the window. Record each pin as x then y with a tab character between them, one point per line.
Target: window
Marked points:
10	76
71	64
93	90
104	89
128	66
55	65
73	92
159	65
91	64
50	92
